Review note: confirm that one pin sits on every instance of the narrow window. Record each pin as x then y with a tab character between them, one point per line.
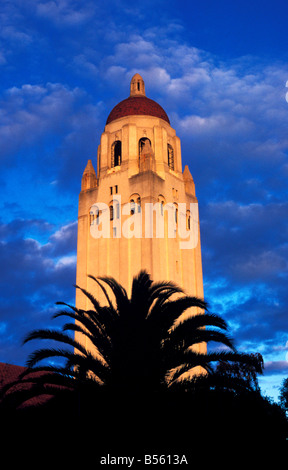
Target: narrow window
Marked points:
144	145
139	204
111	212
116	153
170	156
132	207
162	208
117	210
116	189
161	201
188	220
111	190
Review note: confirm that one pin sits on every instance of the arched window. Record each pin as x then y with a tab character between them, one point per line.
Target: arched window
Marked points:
116	153
144	145
111	209
135	203
132	206
170	152
139	204
161	201
114	210
117	209
175	208
188	220
94	215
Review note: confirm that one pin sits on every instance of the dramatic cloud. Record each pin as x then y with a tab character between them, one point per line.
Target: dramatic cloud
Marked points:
36	276
33	112
65	12
64	65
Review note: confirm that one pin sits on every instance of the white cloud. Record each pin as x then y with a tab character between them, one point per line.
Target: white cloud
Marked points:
66	261
26	89
13	34
31	112
265	265
280	347
237	99
65	11
137	50
84	65
276	367
115	73
65	232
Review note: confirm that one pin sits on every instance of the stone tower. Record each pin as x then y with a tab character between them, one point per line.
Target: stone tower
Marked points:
139	210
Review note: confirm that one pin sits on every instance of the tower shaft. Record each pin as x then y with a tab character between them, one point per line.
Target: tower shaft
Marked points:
139	195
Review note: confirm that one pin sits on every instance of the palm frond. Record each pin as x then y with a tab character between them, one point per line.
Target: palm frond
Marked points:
171	311
45	353
103	290
93	325
119	292
146	341
190	338
141	285
208	381
91	297
167	288
54	335
101	341
53	371
75	309
199	320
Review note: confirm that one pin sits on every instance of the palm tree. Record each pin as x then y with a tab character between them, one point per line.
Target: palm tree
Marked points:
142	343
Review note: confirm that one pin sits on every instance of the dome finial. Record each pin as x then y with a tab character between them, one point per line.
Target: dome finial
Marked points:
137	86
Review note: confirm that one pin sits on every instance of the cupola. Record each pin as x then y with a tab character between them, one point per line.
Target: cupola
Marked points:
137	104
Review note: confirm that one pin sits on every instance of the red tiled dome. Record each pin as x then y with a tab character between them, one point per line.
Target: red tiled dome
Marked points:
137	105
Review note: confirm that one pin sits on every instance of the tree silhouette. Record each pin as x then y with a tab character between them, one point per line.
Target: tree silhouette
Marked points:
283	395
145	343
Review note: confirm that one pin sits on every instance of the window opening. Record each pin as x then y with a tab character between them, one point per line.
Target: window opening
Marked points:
188	221
116	153
113	189
170	156
117	210
132	207
144	143
139	204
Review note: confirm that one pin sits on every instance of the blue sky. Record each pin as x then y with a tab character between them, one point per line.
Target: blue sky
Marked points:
219	69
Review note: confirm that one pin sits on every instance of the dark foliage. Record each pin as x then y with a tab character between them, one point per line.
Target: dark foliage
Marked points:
139	373
283	396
